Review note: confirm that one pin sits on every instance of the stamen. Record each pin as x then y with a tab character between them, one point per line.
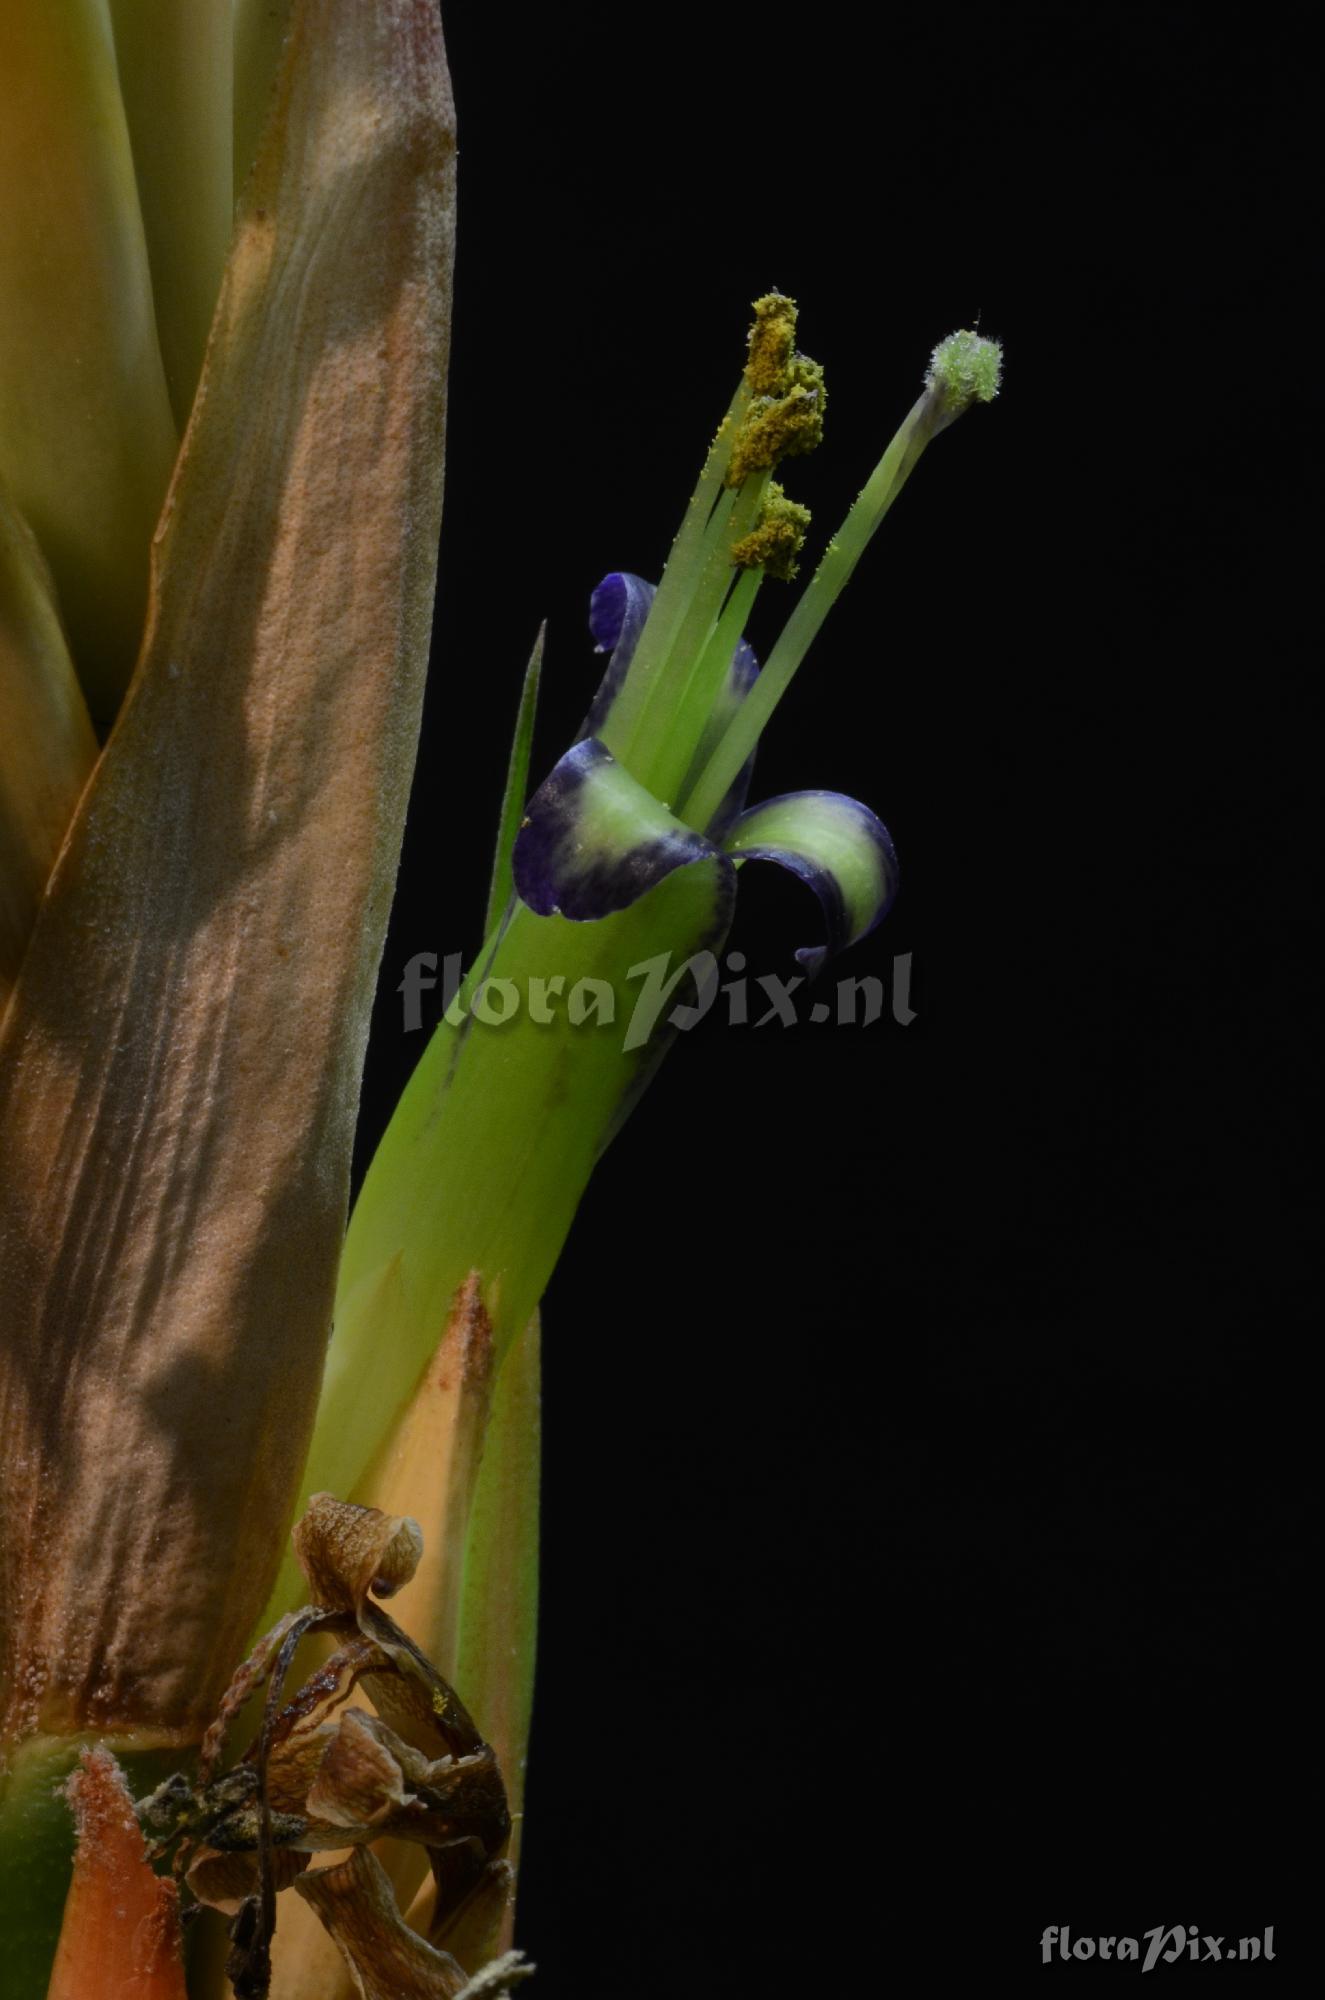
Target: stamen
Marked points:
770	549
662	748
778	537
779	427
675	586
699	702
772	344
777	412
963	369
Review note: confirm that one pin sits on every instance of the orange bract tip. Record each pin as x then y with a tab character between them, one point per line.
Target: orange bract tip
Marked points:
120	1935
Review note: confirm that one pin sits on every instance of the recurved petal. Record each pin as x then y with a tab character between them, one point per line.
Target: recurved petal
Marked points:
619	598
594	840
617	611
836	846
347	1551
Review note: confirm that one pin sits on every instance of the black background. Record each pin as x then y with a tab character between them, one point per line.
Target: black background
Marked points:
923	1476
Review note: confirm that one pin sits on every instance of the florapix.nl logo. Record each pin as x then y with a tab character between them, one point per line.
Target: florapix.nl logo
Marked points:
1163	1945
679	994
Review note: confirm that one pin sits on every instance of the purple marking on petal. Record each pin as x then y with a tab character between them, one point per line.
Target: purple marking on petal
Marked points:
819	877
617	611
548	813
607	611
837	922
562	865
743	673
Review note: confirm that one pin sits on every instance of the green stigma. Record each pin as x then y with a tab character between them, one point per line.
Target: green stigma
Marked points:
964	369
772	343
777	538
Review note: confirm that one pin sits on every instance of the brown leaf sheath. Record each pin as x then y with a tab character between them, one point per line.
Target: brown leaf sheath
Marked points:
180	1061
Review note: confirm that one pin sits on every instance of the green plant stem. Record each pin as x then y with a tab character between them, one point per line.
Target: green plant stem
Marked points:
487	1156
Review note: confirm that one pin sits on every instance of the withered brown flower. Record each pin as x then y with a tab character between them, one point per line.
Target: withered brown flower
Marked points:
323	1775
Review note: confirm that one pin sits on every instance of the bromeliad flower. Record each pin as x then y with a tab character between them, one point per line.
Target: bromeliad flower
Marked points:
659	779
627	855
590	844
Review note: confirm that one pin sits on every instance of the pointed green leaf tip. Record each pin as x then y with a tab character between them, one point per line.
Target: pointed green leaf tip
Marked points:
964	369
502	885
